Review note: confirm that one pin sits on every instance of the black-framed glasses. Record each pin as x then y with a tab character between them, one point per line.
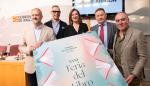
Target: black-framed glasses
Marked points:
56	11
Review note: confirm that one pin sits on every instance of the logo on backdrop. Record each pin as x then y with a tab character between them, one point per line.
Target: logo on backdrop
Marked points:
23	18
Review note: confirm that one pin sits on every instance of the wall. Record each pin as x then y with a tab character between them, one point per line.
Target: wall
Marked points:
138	10
15	16
147	66
139	14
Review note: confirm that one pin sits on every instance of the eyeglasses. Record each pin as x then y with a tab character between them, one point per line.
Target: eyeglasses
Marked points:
56	11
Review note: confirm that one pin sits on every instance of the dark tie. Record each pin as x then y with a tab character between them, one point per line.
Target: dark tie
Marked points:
102	32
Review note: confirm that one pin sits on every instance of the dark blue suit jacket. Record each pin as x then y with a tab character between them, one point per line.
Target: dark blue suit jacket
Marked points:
61	28
111	30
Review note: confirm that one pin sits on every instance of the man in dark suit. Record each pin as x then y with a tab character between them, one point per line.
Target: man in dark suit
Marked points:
109	29
55	23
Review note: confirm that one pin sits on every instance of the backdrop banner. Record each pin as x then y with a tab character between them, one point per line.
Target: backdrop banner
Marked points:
80	60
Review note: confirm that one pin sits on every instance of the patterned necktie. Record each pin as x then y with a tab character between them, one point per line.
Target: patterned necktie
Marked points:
102	32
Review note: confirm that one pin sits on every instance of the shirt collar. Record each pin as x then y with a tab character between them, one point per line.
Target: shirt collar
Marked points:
55	21
103	24
38	27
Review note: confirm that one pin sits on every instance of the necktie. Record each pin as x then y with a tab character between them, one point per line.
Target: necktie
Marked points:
102	32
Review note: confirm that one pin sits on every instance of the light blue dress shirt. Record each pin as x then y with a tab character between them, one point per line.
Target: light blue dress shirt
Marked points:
105	34
56	26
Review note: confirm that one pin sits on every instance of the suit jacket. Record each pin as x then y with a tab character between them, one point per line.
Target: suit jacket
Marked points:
70	31
28	39
61	28
133	52
111	30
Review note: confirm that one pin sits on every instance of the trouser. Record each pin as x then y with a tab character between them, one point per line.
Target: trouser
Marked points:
32	80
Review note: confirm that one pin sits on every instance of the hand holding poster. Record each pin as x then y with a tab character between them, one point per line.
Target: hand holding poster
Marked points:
79	60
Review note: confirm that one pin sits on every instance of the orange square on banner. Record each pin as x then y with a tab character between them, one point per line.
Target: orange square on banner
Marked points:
16	19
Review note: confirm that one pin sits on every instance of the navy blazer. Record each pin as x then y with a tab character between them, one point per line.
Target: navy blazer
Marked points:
61	28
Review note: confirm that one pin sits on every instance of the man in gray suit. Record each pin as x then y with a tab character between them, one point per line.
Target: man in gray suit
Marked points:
33	38
130	52
109	28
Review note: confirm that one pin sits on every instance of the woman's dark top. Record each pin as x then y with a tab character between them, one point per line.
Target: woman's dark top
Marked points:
70	31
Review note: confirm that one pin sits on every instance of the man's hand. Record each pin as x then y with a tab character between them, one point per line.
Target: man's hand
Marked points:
130	78
37	44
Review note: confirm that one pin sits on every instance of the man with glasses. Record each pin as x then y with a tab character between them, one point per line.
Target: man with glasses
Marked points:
55	23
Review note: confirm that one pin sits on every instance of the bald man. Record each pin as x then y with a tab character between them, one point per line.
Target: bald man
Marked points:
129	50
33	38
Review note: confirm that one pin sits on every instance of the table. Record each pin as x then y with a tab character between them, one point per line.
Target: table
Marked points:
12	73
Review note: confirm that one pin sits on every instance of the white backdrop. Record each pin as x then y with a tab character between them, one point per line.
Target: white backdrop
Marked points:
10	30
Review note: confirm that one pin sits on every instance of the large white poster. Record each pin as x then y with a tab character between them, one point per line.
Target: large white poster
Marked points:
80	60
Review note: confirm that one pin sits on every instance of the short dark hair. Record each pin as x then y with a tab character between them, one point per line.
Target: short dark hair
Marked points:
55	6
70	18
99	9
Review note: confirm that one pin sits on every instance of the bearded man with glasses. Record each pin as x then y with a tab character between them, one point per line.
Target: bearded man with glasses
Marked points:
55	23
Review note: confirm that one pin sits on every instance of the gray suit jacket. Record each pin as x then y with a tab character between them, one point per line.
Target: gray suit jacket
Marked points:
133	52
111	30
28	39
